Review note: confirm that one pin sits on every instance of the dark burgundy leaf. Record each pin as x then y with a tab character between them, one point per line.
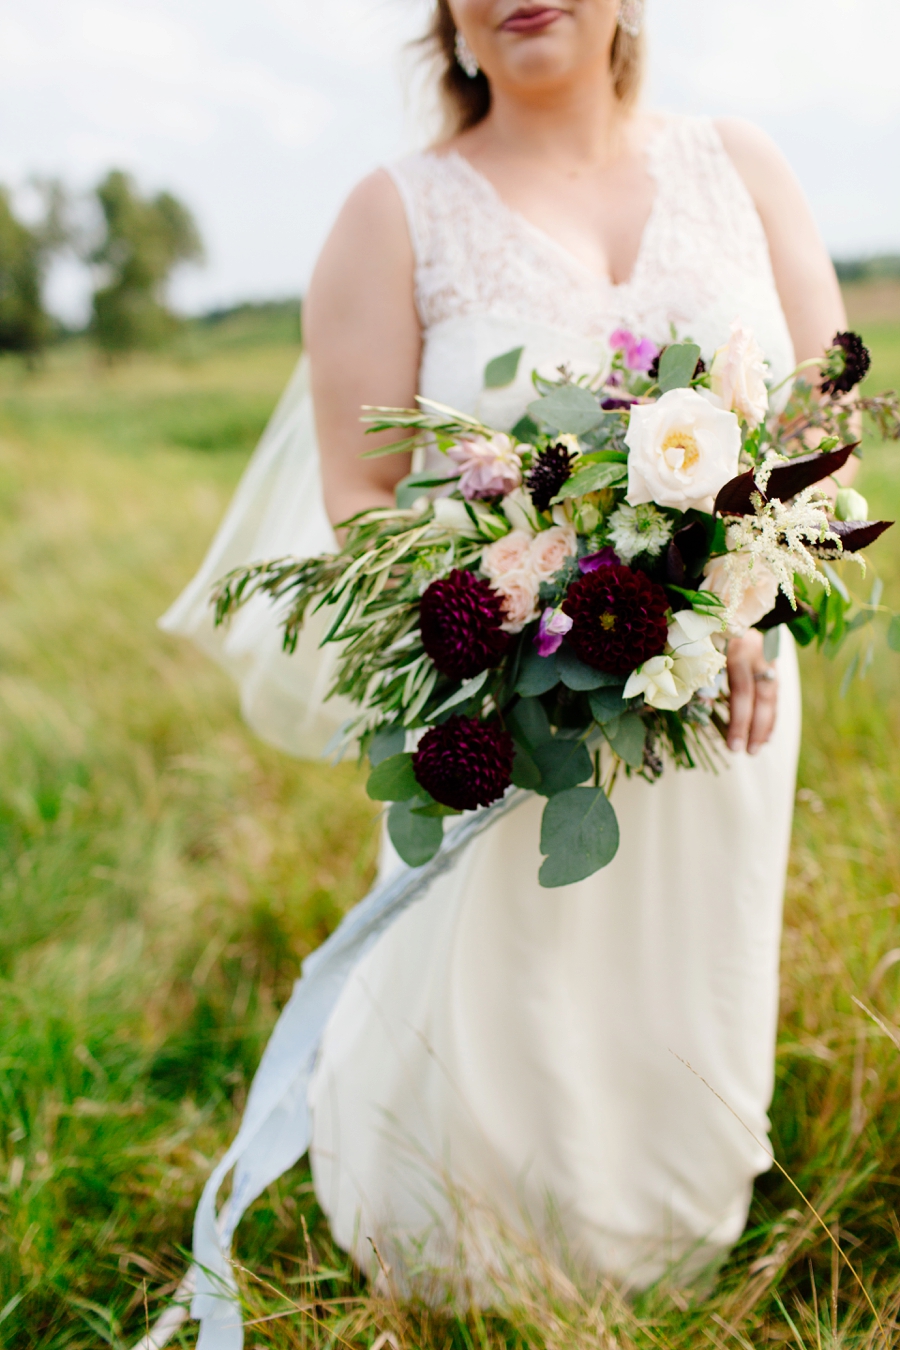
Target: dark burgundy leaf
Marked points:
783	612
675	569
853	534
692	543
787	480
734	497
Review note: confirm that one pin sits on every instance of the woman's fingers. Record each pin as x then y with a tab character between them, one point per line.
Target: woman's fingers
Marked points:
765	707
754	694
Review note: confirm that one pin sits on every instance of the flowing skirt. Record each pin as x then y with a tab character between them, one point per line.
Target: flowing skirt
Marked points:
589	1066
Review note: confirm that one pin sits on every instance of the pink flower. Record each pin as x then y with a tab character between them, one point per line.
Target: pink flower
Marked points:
552	629
550	549
506	555
639	353
518	592
490	468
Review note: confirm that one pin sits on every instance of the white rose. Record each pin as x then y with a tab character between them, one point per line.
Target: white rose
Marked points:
738	375
682	449
690	662
747	587
518	592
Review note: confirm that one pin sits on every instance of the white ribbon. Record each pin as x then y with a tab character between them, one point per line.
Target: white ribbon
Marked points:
275	1131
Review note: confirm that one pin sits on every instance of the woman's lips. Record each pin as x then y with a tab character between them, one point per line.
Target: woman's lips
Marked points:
531	20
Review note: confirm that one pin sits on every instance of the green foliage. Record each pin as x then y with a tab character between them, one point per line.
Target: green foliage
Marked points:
568	409
502	370
415	836
25	251
144	241
579	835
393	780
677	365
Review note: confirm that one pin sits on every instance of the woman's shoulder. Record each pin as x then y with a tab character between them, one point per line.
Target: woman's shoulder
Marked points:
762	166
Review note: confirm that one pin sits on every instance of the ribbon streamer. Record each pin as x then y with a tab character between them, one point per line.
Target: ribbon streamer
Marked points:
276	1128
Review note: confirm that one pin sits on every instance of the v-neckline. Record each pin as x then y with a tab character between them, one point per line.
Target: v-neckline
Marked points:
650	152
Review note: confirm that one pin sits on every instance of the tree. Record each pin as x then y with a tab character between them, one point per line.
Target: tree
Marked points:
24	254
144	240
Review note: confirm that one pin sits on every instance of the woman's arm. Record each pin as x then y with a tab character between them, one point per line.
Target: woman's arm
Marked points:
363	337
814	309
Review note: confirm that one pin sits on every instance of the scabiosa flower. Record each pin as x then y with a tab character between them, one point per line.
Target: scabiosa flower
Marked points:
618	618
465	763
639	529
846	363
551	469
460	618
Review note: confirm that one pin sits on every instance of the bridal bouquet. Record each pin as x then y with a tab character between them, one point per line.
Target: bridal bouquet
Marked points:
551	605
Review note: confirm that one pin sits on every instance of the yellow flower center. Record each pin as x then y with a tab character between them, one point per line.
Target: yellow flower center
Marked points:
608	620
680	439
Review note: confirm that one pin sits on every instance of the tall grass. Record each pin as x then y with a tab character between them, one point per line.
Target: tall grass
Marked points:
163	873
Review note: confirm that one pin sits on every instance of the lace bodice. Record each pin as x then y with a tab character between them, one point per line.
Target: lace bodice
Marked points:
488	280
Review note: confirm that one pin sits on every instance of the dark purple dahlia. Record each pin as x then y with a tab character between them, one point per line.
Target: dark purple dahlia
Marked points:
465	763
846	363
460	618
551	469
618	618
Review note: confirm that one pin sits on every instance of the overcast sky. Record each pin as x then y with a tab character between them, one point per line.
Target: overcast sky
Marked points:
261	114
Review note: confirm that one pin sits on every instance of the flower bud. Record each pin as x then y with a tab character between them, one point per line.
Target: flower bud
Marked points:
850	505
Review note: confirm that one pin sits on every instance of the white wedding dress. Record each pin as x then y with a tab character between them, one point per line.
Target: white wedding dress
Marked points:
588	1068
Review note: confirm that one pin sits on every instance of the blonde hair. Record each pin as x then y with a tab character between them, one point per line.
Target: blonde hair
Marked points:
465	101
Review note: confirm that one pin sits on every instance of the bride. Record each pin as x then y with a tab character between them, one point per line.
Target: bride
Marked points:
588	1068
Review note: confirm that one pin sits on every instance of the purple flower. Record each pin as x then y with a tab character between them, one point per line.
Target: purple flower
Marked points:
465	763
607	557
551	630
459	618
639	353
612	404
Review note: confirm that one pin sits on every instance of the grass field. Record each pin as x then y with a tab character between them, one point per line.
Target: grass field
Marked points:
163	873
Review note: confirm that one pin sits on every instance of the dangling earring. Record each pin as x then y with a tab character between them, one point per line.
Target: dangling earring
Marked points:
465	56
631	17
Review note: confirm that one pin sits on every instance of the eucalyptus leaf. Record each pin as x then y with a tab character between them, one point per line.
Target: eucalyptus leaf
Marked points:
503	369
607	703
579	835
393	780
537	673
386	742
570	408
529	723
580	677
526	430
468	689
592	478
677	365
525	773
562	763
626	735
416	838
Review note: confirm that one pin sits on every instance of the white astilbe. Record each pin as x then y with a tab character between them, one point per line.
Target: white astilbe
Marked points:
764	472
780	534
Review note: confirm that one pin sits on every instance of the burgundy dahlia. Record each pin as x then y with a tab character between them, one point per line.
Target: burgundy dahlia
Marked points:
552	468
846	363
465	763
618	618
460	618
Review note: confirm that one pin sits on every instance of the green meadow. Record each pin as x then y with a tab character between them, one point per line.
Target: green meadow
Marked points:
163	873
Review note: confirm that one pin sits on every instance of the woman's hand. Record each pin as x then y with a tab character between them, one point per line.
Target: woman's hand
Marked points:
754	694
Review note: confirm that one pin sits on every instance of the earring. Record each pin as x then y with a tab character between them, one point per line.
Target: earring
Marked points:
465	56
631	17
